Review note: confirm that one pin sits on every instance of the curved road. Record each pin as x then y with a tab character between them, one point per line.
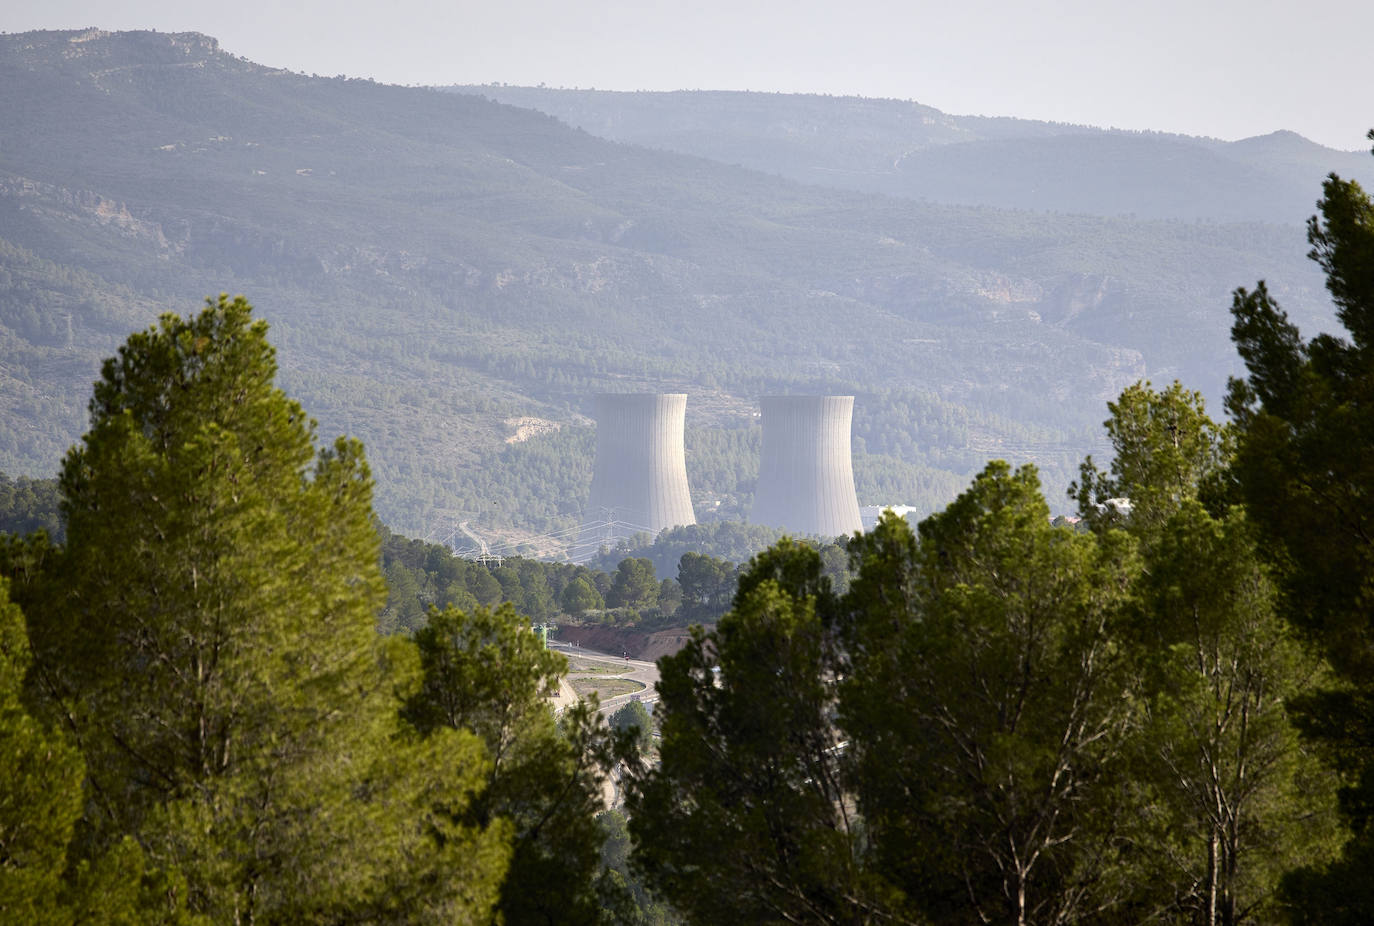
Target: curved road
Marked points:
481	544
635	670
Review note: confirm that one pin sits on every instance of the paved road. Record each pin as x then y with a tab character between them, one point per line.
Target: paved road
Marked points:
481	544
635	669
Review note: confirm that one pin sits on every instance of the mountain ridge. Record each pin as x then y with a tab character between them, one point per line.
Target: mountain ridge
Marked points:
434	264
911	149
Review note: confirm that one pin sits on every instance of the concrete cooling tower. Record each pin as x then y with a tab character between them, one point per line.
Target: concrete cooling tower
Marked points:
806	475
640	480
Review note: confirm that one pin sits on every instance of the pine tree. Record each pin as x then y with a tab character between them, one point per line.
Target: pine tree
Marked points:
209	632
40	800
1229	799
745	818
487	672
983	702
40	806
1306	473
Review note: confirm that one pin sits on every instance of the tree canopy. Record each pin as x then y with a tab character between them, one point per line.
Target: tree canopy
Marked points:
488	672
1228	797
208	632
1304	470
744	819
983	701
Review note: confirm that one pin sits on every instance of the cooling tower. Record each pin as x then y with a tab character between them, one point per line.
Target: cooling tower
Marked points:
806	476
640	480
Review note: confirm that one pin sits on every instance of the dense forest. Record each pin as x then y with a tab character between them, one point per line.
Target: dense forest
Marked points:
29	505
621	589
685	574
1161	714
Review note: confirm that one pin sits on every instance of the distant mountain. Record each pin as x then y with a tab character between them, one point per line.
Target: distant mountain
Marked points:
905	149
451	278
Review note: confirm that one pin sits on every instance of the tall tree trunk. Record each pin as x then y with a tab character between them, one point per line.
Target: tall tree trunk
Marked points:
1212	874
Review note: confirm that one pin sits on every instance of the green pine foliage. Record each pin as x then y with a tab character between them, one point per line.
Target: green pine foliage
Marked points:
28	505
635	905
579	597
744	819
486	672
634	585
421	576
43	878
1229	797
1304	471
208	632
1001	719
708	586
734	541
983	698
42	797
634	717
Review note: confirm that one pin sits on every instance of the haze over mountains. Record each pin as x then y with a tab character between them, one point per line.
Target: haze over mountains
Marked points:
445	272
903	148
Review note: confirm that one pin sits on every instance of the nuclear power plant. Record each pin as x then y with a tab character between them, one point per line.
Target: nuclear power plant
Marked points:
639	483
806	475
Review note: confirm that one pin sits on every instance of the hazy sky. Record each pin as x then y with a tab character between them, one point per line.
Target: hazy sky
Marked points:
1226	68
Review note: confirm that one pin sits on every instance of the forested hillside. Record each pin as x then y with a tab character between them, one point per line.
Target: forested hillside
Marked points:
440	269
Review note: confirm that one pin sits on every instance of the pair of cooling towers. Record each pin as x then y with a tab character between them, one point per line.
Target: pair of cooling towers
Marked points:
806	476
